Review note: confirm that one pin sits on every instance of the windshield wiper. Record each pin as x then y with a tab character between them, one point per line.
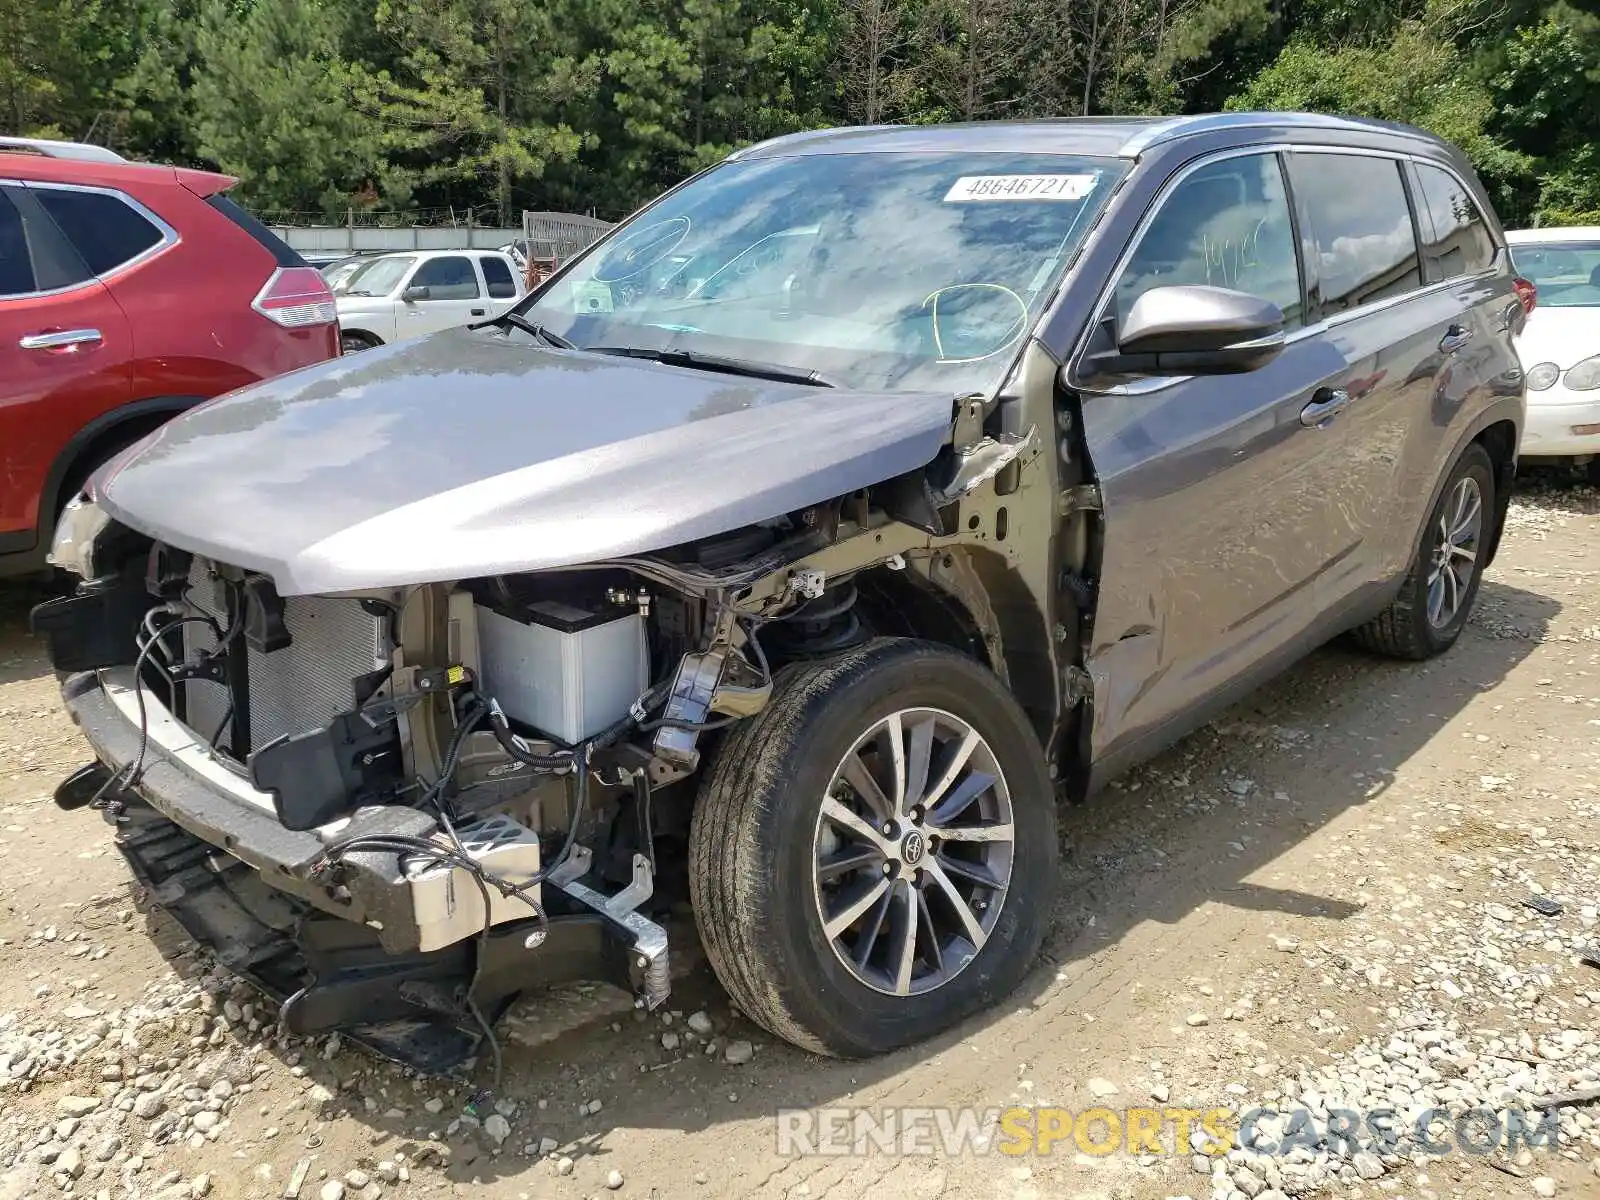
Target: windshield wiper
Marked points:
518	321
754	368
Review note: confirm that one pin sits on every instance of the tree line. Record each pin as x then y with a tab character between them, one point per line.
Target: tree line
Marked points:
500	105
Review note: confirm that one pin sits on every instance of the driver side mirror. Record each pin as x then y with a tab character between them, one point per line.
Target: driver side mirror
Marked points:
1193	330
414	293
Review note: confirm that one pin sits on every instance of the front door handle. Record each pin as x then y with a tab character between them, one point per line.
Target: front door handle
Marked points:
61	339
1454	339
1326	403
479	312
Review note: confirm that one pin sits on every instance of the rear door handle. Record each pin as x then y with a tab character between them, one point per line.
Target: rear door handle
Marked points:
479	312
1326	403
1454	339
61	339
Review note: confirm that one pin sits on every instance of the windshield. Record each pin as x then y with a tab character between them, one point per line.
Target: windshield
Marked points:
378	277
1567	274
337	274
897	271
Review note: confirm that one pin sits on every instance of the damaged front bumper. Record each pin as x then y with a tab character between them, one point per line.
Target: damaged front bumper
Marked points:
396	958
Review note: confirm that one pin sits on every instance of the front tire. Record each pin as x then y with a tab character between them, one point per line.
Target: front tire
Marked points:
1436	599
355	342
873	856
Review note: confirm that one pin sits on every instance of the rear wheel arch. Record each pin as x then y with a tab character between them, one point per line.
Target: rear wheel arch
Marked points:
1500	441
98	442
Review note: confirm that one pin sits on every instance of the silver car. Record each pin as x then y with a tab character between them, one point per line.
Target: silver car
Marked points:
795	550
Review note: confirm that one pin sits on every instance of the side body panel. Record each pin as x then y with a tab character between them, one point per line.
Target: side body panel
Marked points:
1234	538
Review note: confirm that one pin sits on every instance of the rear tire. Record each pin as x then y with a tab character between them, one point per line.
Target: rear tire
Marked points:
1436	599
781	837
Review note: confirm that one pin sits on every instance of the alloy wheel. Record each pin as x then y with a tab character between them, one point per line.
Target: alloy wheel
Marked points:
913	851
1455	552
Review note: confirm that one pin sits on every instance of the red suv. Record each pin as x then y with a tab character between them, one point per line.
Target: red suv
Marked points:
128	293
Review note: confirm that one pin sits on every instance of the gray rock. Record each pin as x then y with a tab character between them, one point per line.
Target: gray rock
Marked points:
1248	1182
70	1163
1368	1165
614	1180
700	1023
332	1190
564	1165
433	1104
205	1121
356	1178
497	1128
1543	1186
77	1106
1102	1088
149	1106
738	1053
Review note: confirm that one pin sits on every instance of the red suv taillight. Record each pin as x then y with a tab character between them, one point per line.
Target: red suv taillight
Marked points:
1527	293
296	297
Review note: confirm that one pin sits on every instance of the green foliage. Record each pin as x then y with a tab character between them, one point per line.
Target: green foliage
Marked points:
578	104
272	102
1415	77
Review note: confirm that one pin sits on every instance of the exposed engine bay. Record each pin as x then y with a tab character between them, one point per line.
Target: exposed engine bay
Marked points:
440	796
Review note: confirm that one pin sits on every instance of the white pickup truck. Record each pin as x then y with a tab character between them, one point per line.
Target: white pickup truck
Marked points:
410	293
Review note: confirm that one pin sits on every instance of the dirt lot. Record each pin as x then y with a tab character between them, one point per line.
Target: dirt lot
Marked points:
1315	904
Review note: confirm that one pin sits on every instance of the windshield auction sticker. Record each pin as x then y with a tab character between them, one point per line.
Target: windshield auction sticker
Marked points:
972	188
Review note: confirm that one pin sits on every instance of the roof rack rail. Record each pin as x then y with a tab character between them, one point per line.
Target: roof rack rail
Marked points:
82	151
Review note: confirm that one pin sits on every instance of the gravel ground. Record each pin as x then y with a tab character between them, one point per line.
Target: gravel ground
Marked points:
1316	906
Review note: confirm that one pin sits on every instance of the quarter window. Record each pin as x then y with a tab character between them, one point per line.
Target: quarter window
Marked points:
1366	244
105	230
447	278
1225	225
498	276
16	269
1460	242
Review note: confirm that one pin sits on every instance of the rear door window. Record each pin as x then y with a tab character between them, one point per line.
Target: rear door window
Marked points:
16	268
1361	223
1225	225
449	278
105	229
498	276
1458	241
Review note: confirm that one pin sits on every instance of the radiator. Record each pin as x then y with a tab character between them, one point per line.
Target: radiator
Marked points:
301	687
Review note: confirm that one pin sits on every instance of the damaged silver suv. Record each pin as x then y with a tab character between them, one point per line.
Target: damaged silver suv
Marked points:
791	553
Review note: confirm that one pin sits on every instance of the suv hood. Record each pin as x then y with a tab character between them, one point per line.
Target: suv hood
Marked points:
466	454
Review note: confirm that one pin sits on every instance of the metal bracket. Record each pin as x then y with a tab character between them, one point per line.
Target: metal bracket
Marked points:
808	583
1077	687
574	866
968	422
1083	498
577	865
648	964
983	460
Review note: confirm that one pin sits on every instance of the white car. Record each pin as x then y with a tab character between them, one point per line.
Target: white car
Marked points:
405	295
1560	348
